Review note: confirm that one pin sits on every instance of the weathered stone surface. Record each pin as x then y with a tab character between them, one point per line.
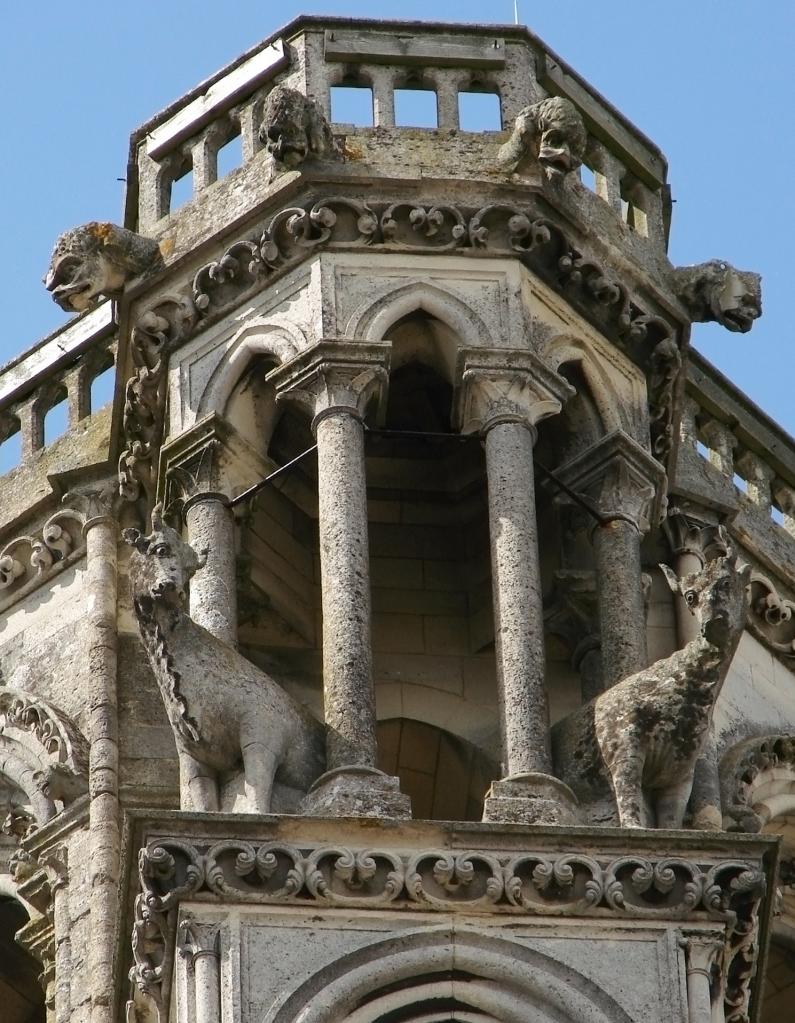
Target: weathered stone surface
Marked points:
294	130
96	260
716	291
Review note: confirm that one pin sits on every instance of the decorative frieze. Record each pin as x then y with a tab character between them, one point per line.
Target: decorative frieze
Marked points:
28	560
292	233
526	883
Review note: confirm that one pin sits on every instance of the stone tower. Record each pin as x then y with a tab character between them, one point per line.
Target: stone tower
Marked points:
411	638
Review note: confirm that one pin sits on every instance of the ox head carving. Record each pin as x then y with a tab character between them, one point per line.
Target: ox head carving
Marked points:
162	563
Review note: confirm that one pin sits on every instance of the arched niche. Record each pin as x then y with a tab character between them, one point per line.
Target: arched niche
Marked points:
473	975
445	776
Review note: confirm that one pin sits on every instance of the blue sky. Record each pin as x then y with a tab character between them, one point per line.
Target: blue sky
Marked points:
711	81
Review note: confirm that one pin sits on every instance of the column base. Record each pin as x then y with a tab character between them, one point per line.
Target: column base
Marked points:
532	798
356	791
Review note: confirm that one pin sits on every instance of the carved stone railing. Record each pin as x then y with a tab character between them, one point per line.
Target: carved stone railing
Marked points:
316	55
734	460
62	367
432	868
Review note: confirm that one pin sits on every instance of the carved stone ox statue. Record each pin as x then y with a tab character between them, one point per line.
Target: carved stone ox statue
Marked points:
222	708
644	735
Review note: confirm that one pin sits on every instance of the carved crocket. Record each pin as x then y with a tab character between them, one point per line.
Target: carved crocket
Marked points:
644	735
716	291
551	132
293	130
223	710
97	259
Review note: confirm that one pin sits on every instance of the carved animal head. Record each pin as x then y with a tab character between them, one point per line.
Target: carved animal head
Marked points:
717	596
551	132
293	127
561	135
96	259
161	565
717	291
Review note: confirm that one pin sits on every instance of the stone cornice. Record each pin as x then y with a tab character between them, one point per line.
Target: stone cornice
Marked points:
295	232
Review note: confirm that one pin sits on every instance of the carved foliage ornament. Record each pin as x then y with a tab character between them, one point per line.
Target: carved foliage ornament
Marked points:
443	880
294	232
739	770
771	617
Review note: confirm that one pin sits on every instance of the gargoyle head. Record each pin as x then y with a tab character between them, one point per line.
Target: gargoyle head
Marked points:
552	132
96	260
161	564
716	291
293	128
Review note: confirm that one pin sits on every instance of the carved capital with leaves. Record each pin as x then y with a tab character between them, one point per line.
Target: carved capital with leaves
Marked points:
505	385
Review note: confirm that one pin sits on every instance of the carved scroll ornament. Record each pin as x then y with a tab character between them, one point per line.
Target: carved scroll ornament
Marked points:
771	617
278	873
26	559
292	233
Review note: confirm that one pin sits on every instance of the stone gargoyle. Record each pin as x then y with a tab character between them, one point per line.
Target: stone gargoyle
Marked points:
643	736
550	133
294	130
96	260
222	709
716	291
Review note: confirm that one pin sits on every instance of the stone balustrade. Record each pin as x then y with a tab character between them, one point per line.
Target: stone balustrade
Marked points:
627	171
736	460
60	369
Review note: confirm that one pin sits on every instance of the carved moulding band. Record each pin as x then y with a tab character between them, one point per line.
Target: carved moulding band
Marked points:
346	223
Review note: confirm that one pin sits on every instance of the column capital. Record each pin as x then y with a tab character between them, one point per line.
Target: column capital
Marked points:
334	376
195	940
702	949
498	385
620	478
211	458
96	504
693	530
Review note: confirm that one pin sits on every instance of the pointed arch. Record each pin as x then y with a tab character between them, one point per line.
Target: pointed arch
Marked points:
491	979
259	337
373	319
567	349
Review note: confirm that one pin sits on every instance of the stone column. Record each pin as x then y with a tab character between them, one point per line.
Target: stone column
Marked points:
702	949
503	395
623	484
200	466
213	590
694	540
336	383
200	946
101	637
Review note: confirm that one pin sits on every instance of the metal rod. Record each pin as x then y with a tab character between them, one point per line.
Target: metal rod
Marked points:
583	502
423	434
276	472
